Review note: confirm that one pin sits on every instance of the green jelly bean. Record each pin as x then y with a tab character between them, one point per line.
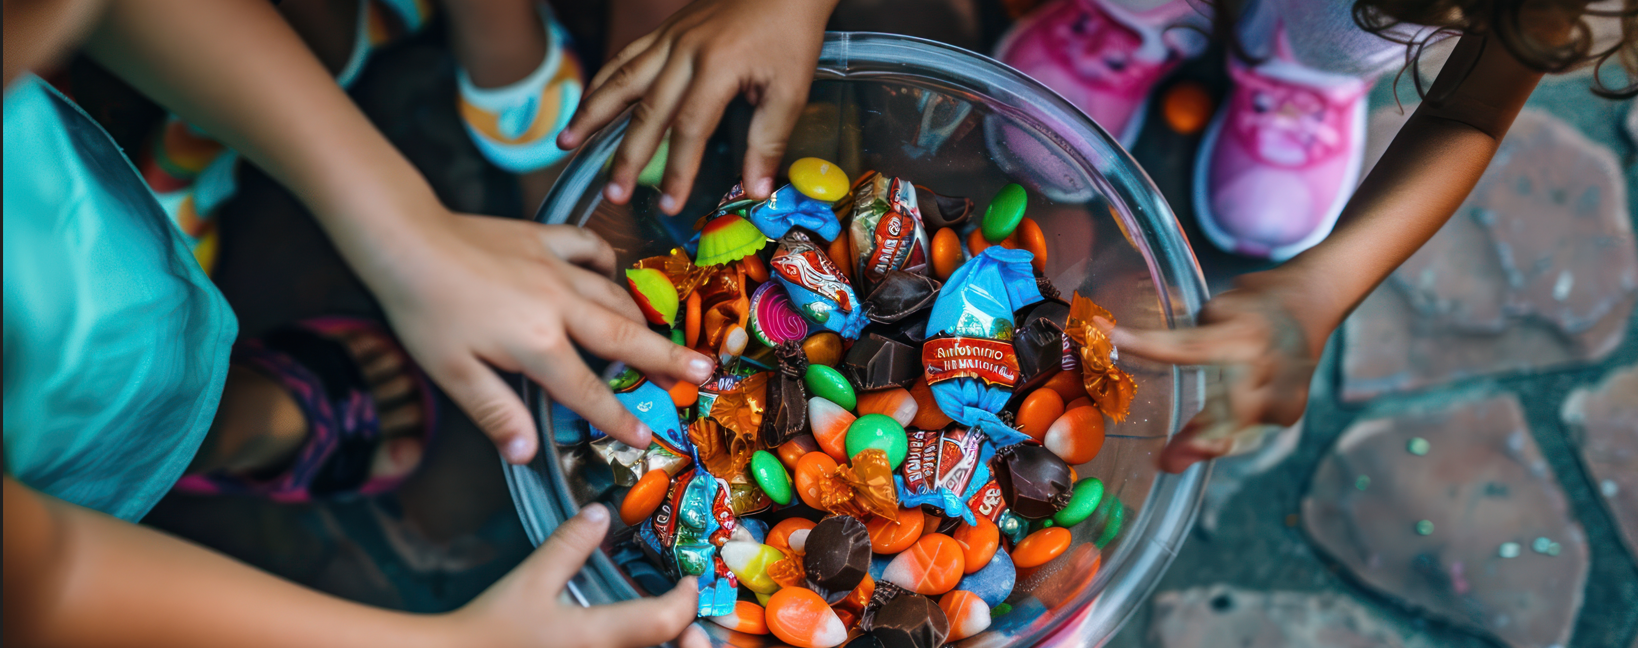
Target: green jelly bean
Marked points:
1112	523
878	431
771	476
1088	494
1004	213
828	383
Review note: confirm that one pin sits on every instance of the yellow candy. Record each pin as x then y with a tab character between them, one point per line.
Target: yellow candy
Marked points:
749	561
818	179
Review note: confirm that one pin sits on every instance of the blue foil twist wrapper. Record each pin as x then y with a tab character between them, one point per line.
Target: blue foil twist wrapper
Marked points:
787	208
945	469
654	407
971	366
817	287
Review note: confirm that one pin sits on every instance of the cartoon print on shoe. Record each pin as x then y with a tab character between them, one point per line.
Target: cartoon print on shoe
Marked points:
516	126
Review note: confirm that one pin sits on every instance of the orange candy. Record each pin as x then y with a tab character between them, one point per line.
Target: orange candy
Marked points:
792	450
1038	411
1078	403
978	543
930	567
801	618
645	496
888	537
896	403
841	253
968	614
691	321
747	617
1068	384
946	253
829	423
1030	237
976	243
1041	547
1187	107
684	393
755	269
810	471
1077	436
779	537
928	415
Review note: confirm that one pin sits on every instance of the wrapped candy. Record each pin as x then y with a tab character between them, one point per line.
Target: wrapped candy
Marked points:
739	409
724	305
816	286
863	489
630	464
946	469
684	533
677	267
786	414
971	364
1110	388
886	230
942	211
899	295
651	405
789	208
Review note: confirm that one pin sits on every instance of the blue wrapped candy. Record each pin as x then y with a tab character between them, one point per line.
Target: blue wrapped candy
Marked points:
788	208
654	407
817	288
970	363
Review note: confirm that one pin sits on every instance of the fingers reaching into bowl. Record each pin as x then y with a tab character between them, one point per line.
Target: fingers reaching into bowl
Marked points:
679	80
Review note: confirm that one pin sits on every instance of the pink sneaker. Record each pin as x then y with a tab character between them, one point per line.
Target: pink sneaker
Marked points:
1102	58
1281	159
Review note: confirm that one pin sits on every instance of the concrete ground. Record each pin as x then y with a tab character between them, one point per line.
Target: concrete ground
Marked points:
1466	474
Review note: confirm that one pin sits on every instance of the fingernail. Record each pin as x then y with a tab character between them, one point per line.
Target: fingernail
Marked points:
517	450
668	204
642	435
594	513
615	192
700	368
764	187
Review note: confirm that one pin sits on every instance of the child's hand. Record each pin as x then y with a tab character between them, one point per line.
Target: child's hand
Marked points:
682	76
473	292
1267	362
525	608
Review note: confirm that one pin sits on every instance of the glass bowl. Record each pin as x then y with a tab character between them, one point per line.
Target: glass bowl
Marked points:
962	125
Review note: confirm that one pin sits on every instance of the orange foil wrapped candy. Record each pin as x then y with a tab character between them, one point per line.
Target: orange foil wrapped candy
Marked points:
1110	388
679	269
863	489
725	305
740	409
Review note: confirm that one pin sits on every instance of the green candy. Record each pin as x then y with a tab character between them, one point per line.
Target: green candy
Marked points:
1088	494
1116	516
828	383
771	476
878	431
1004	213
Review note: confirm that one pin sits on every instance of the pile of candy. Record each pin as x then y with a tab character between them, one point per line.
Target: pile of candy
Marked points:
928	400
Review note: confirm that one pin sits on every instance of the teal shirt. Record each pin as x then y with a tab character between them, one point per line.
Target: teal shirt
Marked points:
116	342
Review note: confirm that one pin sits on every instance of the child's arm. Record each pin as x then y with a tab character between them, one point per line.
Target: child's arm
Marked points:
74	577
1272	327
682	76
463	293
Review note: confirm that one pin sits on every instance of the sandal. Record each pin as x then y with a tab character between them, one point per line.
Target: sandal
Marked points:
319	372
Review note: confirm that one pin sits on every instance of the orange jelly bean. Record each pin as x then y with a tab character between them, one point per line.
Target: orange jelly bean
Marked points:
1187	107
968	614
888	537
755	269
928	415
791	451
779	537
978	543
684	393
930	567
809	469
1078	403
1068	384
1038	411
976	244
1077	436
801	618
946	253
1030	237
691	320
747	617
896	403
645	497
841	253
1041	547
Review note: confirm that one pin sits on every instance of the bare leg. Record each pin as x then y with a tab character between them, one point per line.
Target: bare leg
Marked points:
328	26
497	42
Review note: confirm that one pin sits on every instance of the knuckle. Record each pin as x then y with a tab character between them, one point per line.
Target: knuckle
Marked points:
643	112
553	342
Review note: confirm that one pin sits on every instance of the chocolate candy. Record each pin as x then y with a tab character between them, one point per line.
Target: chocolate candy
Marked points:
838	556
816	286
942	211
876	362
645	497
785	416
900	294
910	621
790	207
886	229
1041	345
971	365
1109	387
1035	482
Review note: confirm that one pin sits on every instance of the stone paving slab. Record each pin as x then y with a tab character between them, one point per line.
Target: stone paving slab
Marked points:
1604	421
1536	270
1456	513
1223	615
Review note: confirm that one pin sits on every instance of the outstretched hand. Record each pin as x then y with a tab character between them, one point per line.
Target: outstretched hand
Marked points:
1266	359
681	78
